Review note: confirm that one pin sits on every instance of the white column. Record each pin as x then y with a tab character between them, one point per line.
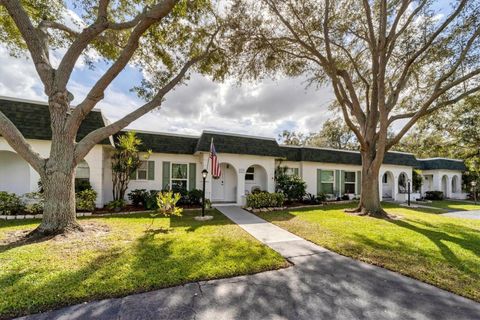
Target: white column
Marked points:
241	185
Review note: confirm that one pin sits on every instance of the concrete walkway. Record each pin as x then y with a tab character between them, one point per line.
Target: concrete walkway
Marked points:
472	214
320	285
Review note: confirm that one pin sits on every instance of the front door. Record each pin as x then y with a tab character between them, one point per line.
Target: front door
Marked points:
218	186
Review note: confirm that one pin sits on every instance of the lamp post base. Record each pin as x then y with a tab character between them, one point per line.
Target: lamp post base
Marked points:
203	218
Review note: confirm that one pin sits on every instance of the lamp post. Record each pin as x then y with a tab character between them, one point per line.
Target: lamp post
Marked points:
474	190
408	191
204	176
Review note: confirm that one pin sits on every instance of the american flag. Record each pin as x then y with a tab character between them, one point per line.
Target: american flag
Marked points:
216	171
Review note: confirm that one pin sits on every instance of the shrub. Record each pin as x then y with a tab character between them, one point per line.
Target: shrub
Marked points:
86	200
434	195
265	199
293	187
10	203
151	200
116	205
195	197
345	197
34	202
138	197
82	184
322	197
310	198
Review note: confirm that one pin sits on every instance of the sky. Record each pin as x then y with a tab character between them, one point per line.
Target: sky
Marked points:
265	108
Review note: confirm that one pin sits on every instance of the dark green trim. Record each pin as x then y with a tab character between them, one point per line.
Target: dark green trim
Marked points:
319	181
192	176
166	175
151	170
359	182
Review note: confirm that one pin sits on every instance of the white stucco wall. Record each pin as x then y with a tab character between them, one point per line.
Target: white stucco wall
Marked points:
435	183
94	159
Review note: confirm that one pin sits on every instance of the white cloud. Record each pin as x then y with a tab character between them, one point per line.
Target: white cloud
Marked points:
263	109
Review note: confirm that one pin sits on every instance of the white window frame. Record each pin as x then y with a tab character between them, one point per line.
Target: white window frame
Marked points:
250	173
354	183
328	182
146	170
291	171
176	179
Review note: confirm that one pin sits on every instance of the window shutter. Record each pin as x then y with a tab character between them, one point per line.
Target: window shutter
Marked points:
337	182
192	177
295	172
151	170
133	175
342	182
319	181
359	182
165	175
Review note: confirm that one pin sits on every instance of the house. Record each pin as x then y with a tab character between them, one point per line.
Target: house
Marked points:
247	162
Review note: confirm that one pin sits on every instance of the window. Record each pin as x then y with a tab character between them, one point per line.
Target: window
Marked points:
82	171
179	176
292	172
349	178
250	174
142	171
327	179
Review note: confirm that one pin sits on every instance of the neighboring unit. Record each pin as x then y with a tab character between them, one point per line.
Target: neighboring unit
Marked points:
247	163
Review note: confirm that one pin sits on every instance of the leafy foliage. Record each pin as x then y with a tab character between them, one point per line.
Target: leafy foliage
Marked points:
434	195
85	200
10	203
116	204
125	162
292	186
34	202
167	203
265	200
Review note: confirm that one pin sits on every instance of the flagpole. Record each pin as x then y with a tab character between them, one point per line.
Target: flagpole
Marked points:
209	153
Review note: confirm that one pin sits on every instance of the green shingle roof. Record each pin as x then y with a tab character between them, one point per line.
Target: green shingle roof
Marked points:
441	163
237	144
165	143
33	120
342	156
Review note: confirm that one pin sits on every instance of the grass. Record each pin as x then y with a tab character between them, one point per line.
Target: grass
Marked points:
453	205
50	274
439	250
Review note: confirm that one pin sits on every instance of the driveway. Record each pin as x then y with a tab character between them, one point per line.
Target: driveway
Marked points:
320	284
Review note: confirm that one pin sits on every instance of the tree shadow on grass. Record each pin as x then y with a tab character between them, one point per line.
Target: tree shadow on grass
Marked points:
468	239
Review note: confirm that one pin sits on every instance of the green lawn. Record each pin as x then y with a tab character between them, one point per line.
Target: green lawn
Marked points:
439	250
127	259
453	205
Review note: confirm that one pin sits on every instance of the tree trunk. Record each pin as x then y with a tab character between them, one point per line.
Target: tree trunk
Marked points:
59	214
370	195
58	176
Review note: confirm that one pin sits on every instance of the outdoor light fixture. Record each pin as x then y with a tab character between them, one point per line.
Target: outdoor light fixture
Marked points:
408	190
204	176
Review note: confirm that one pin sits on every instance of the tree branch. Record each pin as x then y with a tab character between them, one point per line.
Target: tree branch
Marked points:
95	94
17	141
90	140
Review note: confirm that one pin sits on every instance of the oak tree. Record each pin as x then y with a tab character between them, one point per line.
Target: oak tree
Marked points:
388	62
163	38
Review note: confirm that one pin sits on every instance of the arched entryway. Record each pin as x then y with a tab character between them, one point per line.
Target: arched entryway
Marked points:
445	185
14	173
403	183
455	184
387	185
255	179
224	189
